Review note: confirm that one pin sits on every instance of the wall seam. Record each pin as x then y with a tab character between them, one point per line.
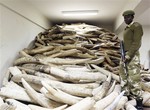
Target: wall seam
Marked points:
23	16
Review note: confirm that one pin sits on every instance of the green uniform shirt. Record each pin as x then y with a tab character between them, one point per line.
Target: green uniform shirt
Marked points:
132	38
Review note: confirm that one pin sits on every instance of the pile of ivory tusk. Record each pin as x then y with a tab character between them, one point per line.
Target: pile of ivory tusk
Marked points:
69	67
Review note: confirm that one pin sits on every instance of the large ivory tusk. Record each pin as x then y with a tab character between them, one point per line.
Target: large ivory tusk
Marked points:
23	60
6	78
121	103
147	103
15	94
112	87
96	90
84	104
76	68
114	76
128	106
115	102
19	105
64	97
14	70
1	101
40	99
70	77
62	61
35	107
13	85
6	106
102	92
146	86
49	95
101	104
29	78
39	50
146	96
72	89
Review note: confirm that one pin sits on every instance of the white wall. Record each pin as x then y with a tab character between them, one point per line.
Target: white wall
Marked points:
23	7
145	48
16	32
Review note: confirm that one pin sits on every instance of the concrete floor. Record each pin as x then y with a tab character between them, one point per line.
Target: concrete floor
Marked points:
146	108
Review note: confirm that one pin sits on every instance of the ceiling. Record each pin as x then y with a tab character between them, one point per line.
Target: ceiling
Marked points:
109	10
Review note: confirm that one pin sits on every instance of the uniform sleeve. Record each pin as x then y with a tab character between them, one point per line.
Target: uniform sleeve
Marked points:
136	44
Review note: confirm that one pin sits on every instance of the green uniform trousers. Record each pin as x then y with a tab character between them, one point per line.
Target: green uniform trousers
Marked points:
131	83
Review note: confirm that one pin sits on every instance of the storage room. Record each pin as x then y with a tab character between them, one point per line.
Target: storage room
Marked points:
74	55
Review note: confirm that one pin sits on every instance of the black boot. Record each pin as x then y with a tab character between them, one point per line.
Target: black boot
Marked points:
139	105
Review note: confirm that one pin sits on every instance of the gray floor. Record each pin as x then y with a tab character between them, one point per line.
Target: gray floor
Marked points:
145	108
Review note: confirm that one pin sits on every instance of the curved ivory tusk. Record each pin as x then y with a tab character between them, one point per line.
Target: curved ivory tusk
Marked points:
35	107
14	70
101	104
63	61
76	77
19	105
114	76
6	106
15	94
1	101
62	96
111	88
40	99
85	104
115	102
128	106
121	103
102	92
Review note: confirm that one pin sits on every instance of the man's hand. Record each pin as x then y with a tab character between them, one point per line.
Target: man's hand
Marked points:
127	58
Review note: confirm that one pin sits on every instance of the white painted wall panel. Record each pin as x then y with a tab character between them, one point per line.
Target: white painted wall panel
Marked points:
16	33
145	48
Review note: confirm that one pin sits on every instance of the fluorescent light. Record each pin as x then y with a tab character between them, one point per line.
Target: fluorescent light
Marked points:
80	12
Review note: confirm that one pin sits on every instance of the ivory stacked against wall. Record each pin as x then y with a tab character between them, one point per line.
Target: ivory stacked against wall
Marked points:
69	67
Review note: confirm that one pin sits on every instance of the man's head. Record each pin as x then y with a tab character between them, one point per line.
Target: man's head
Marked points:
128	16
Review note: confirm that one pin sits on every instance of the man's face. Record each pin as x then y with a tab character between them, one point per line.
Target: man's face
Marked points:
128	19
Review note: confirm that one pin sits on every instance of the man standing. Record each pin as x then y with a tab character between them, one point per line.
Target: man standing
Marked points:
132	42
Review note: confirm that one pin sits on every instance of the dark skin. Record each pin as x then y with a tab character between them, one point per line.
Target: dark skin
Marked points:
128	19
